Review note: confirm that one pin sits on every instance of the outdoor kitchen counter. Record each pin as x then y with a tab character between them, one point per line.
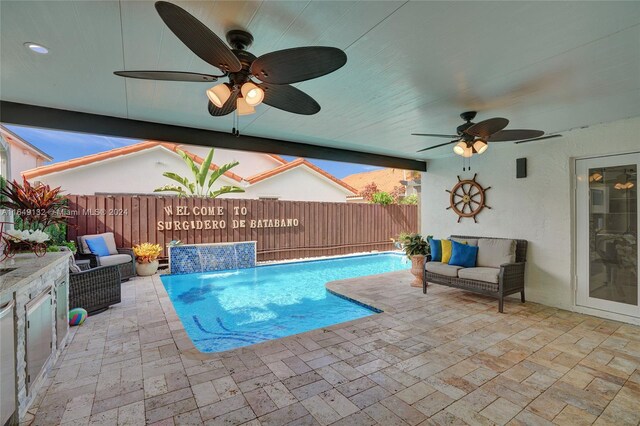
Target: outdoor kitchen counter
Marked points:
28	267
34	304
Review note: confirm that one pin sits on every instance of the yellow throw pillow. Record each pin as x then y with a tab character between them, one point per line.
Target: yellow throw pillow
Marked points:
446	250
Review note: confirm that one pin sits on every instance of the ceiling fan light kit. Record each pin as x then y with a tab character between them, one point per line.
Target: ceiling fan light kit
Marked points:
276	71
252	94
480	146
459	148
244	108
219	94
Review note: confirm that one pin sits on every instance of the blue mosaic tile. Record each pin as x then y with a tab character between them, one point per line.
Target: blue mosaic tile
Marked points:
246	253
185	260
208	258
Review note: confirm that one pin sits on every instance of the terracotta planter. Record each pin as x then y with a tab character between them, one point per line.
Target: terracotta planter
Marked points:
417	269
146	269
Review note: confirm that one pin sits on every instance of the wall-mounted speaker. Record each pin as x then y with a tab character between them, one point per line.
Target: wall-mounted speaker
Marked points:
521	168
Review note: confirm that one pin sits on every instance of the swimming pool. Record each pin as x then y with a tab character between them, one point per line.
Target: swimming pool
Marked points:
230	309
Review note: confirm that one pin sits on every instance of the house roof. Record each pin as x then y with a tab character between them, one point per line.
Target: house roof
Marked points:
12	137
117	152
297	163
278	158
385	179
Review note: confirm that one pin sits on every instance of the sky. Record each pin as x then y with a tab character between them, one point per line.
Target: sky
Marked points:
66	145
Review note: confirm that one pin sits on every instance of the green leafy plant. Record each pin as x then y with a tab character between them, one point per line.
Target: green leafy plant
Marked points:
410	199
202	180
37	207
3	184
413	244
382	198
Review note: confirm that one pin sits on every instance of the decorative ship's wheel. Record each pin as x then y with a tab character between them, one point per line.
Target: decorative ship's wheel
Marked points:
467	198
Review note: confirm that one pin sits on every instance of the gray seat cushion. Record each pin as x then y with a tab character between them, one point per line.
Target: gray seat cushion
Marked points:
493	252
443	269
114	259
489	275
109	239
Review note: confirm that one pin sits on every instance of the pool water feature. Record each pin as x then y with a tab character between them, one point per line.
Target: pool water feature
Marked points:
230	309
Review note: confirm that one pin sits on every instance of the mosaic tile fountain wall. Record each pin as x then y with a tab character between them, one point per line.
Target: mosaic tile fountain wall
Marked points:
191	258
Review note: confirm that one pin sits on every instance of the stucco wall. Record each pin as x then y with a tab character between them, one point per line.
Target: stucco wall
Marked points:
299	184
537	208
21	160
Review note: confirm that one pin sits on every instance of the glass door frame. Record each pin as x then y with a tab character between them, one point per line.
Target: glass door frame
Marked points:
583	194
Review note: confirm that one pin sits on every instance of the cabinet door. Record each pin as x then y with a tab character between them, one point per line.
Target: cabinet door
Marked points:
7	363
39	335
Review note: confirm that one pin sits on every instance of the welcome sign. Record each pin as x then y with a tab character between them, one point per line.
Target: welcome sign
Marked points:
184	218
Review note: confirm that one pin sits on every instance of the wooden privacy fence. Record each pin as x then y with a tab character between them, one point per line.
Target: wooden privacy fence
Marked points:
282	229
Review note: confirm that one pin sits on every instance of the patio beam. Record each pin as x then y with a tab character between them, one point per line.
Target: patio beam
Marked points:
81	122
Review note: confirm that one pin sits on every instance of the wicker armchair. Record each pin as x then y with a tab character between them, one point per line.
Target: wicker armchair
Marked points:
95	289
127	267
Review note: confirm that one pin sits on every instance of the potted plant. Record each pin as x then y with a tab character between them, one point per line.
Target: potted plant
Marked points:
147	258
416	248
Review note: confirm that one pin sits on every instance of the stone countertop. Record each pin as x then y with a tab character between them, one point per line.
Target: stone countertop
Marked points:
27	268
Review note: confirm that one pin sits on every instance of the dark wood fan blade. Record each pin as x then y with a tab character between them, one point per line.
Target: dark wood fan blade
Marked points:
288	98
227	108
297	64
540	139
515	135
198	37
486	128
438	146
168	76
434	135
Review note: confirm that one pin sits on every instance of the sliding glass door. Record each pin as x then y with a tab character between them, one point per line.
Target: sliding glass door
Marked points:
607	233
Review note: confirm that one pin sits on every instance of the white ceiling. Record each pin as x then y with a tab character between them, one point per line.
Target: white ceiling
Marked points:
412	66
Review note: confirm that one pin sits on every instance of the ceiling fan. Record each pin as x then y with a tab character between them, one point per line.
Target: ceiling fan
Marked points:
274	70
473	138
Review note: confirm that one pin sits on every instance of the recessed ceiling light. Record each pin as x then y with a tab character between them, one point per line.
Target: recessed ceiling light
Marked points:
38	48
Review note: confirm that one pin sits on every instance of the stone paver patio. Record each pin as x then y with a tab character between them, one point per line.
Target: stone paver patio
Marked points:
444	358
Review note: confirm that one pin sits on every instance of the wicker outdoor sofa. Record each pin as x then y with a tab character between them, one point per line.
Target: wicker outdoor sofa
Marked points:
505	280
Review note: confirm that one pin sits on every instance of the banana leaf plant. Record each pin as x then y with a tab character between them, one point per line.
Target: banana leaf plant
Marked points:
38	206
202	179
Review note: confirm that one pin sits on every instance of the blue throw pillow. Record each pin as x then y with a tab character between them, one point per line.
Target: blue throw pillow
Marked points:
98	246
436	250
463	255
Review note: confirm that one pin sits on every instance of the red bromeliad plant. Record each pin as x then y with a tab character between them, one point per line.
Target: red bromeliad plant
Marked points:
368	191
38	206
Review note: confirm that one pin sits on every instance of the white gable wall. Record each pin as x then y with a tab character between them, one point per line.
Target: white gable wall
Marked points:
251	163
300	184
136	173
537	208
22	159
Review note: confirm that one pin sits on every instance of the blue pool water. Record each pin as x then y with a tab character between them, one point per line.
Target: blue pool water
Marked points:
226	310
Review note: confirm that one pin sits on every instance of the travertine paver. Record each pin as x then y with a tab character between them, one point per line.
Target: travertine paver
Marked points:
444	358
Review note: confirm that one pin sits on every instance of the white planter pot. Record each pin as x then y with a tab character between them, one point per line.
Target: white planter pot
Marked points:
146	269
